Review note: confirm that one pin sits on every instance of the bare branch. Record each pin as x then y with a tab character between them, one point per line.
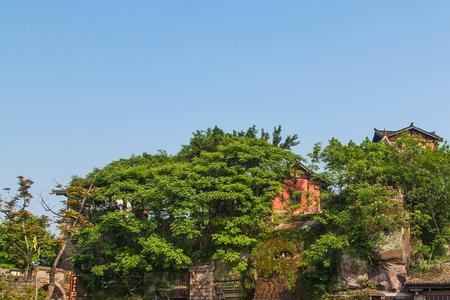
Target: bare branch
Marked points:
48	208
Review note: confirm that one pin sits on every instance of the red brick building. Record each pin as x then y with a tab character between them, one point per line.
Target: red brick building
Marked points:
302	194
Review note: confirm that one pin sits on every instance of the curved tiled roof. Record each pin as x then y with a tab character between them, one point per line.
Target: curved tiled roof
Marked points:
380	134
438	276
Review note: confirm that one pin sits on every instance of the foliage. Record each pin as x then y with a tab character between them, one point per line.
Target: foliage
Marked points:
377	188
152	214
26	241
420	173
24	237
208	140
277	257
8	292
162	213
280	255
120	249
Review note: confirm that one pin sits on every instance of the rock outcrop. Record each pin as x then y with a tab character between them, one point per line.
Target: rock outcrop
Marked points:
352	273
392	263
389	269
393	255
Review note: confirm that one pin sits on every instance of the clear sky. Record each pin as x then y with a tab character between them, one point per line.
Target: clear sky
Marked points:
83	83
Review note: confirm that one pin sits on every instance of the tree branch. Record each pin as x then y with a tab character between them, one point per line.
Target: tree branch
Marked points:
48	208
51	286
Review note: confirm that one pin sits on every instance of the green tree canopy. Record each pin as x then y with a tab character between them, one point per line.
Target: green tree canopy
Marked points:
212	200
376	188
162	213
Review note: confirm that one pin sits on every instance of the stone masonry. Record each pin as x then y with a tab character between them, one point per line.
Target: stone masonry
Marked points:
201	282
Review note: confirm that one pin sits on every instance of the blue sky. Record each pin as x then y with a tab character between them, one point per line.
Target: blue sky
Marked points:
83	83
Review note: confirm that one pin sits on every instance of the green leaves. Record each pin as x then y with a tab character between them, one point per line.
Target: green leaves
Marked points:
319	252
24	237
211	201
361	172
160	252
377	188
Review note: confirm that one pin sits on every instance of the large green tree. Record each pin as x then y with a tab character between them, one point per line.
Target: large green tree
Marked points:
421	173
154	213
365	180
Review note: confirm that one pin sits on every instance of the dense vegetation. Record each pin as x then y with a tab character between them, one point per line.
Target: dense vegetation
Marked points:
143	218
212	201
25	241
366	180
24	238
154	213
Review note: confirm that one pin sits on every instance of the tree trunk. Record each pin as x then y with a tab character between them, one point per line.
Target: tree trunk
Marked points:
52	283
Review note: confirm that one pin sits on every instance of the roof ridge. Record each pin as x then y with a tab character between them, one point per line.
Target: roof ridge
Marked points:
411	126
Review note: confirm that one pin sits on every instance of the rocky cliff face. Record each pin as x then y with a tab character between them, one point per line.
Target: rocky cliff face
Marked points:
393	258
389	269
352	272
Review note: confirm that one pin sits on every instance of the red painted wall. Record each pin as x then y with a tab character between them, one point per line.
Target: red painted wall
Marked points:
309	200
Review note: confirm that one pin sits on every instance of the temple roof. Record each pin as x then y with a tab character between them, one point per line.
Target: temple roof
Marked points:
438	276
379	135
305	168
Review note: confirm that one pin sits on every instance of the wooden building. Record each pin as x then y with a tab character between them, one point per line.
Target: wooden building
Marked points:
431	285
429	138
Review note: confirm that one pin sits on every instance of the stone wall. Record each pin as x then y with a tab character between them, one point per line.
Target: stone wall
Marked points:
201	283
39	278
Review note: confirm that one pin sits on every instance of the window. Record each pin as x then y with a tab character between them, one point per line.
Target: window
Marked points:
436	297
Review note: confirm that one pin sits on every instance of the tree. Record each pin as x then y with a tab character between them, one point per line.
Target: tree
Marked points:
365	180
117	246
157	213
208	140
71	218
234	188
24	237
421	173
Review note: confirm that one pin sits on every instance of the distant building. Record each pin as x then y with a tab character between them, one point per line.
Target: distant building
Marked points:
302	193
430	138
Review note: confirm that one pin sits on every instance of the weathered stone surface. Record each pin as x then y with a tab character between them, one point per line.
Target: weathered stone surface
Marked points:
302	225
390	267
395	246
353	272
201	283
390	276
394	254
393	257
62	280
